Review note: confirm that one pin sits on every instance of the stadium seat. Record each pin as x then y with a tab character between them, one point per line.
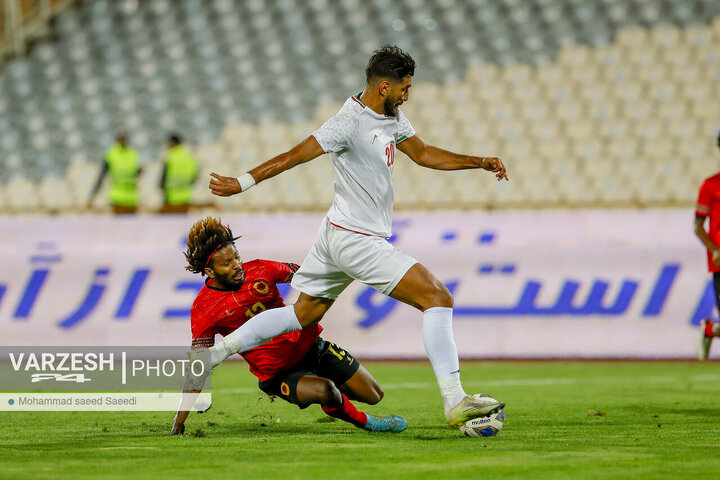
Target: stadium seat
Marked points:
244	81
21	195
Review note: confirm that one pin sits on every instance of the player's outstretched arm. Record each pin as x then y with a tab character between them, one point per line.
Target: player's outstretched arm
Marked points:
305	151
432	157
190	389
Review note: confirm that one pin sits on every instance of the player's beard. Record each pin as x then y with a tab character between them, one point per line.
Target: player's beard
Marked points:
238	283
228	282
390	107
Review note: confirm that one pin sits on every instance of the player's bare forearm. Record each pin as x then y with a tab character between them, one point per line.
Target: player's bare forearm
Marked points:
178	427
284	161
702	234
440	159
305	151
433	157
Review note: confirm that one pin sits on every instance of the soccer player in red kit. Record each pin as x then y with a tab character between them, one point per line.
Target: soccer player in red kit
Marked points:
298	366
708	205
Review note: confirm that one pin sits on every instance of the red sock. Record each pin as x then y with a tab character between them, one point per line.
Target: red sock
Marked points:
709	329
348	413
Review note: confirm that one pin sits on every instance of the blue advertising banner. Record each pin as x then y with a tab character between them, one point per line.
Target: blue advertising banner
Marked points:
526	284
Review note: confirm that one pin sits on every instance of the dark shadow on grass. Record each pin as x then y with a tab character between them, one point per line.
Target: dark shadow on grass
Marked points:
661	410
434	433
201	431
692	412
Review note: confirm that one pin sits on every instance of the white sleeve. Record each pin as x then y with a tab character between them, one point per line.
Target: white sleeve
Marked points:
405	128
336	135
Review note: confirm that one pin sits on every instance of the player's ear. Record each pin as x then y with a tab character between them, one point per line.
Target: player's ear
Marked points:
210	272
384	88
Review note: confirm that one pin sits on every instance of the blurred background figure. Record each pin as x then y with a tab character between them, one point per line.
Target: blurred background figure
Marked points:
708	205
121	162
179	174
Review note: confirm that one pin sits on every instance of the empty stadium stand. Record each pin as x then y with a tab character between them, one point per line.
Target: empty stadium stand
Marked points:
589	102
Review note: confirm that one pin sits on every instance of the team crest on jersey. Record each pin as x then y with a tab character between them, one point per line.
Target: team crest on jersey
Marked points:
285	389
259	288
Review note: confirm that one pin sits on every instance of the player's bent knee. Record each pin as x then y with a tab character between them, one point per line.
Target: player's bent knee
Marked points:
307	318
310	312
376	396
441	298
328	394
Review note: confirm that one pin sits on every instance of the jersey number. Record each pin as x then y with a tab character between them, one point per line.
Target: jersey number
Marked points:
340	353
257	308
390	153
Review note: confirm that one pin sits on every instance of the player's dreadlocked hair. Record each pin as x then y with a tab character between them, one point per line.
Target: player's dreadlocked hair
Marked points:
205	238
390	61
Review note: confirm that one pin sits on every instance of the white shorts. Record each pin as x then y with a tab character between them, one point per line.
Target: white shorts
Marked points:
340	256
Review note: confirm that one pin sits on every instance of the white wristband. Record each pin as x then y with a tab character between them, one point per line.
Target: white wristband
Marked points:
246	181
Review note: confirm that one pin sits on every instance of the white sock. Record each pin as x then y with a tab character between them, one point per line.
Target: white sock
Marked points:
441	350
260	329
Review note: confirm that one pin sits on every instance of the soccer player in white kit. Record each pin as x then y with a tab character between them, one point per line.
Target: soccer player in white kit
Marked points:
351	245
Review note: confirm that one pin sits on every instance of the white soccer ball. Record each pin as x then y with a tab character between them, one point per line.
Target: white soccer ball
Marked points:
484	426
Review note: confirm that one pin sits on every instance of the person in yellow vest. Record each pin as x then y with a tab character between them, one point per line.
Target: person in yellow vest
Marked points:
179	175
121	162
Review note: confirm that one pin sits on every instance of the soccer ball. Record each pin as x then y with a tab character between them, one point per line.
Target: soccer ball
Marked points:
484	426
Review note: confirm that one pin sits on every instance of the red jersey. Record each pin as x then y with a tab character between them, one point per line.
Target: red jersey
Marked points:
220	311
708	204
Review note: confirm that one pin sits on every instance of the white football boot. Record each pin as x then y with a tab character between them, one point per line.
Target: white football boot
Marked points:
472	406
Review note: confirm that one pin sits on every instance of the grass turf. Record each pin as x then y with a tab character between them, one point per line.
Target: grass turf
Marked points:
563	420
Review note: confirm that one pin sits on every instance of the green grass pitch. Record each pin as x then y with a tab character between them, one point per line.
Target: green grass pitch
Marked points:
574	420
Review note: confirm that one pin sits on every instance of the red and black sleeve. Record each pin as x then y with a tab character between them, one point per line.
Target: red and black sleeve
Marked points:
293	267
702	208
203	332
202	342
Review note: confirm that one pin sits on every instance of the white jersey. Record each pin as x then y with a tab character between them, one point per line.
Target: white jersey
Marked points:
361	144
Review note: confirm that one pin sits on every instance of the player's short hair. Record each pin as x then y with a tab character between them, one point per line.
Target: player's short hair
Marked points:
205	238
718	138
391	62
